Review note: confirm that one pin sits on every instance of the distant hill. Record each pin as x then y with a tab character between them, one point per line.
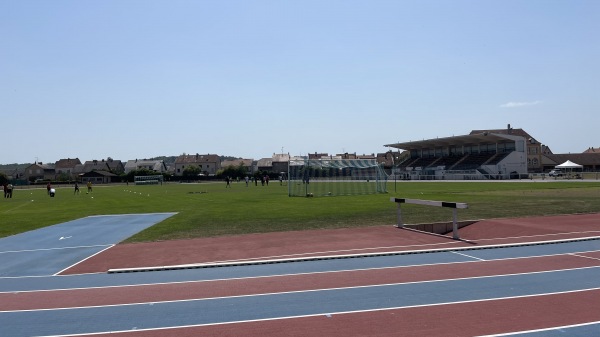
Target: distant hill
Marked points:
11	167
171	159
168	160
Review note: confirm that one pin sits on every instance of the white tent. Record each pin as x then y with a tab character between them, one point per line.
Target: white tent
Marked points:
571	169
568	165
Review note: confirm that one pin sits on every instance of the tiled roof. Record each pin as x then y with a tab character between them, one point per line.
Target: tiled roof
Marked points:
67	163
585	159
592	150
237	162
265	162
516	132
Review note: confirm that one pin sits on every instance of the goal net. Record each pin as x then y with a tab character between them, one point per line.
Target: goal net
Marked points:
148	180
331	177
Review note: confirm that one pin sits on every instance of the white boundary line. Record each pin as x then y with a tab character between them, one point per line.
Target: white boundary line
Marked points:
332	251
71	266
55	248
541	330
125	214
469	256
585	257
538	235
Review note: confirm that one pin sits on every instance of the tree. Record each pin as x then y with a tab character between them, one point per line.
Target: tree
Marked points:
139	172
239	171
192	171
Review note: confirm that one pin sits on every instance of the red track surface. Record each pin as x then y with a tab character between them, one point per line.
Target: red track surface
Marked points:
333	242
460	319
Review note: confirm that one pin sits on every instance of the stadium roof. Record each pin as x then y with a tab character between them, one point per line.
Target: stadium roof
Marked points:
480	138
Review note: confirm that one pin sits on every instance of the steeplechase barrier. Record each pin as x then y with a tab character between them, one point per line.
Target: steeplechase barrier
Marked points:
453	205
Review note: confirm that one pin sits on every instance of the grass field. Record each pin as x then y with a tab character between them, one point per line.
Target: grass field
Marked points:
210	209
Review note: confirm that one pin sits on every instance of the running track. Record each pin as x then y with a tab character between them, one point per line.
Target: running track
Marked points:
533	290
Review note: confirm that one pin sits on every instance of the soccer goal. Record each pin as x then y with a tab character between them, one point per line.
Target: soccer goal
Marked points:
331	177
148	180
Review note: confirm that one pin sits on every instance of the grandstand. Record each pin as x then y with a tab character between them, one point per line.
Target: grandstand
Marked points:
475	156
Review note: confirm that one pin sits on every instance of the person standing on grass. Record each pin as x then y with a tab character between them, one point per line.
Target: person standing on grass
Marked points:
76	189
9	190
227	180
89	186
48	187
5	186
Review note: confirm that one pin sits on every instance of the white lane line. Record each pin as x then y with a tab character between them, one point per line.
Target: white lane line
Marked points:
542	330
469	256
128	214
331	314
537	235
585	257
322	289
71	266
17	207
56	248
332	251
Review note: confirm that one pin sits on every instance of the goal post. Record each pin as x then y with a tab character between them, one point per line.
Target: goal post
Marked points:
333	177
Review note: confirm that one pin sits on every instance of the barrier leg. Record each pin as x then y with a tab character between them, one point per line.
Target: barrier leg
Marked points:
454	225
399	212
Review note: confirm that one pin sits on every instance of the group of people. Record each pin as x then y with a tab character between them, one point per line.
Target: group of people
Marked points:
263	180
89	187
8	190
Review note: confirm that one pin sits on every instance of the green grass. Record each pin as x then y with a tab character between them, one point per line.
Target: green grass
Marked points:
210	209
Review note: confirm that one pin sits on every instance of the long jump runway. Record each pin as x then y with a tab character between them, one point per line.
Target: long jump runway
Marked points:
49	250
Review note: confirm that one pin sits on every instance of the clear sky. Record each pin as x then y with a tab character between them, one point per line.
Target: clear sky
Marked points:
131	79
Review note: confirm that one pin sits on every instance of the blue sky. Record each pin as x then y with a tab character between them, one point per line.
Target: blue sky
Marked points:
136	79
